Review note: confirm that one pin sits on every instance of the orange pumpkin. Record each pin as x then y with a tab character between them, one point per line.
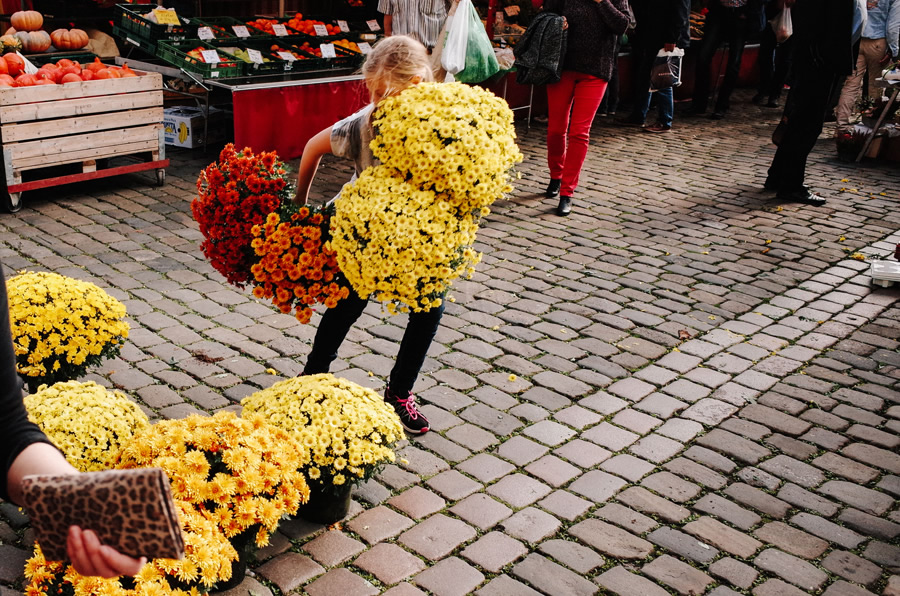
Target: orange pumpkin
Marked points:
96	65
27	20
87	75
8	80
44	82
127	72
25	80
34	42
69	39
15	64
70	78
4	69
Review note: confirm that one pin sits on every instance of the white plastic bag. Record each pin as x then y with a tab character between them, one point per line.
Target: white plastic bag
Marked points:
666	70
453	56
782	25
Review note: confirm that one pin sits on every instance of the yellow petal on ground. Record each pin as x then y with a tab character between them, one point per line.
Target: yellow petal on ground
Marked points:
841	239
779	208
271	371
711	318
768	242
495	327
451	299
845	180
858	256
512	377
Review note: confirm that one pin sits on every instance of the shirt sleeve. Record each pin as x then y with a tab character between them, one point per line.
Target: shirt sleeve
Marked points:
386	7
16	431
893	27
346	135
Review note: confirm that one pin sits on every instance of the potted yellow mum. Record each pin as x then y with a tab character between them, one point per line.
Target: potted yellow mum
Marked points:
62	326
240	473
347	430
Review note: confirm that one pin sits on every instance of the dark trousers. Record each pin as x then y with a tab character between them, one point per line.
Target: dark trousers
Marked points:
723	25
610	100
336	323
774	62
642	57
811	88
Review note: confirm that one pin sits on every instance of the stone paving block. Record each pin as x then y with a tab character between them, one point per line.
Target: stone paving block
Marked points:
645	501
873	435
804	499
842	588
660	405
553	470
890	484
827	530
723	537
745	428
437	536
572	555
793	471
494	551
341	581
792	540
734	446
852	567
519	490
710	459
481	510
333	548
893	586
471	437
680	429
549	433
503	585
531	525
521	451
379	523
597	486
626	518
577	417
869	525
389	563
776	587
485	467
791	569
847	468
679	576
450	577
774	419
671	487
884	554
758	478
609	436
582	453
620	581
631	389
551	578
628	466
635	421
565	505
866	499
417	502
757	499
683	544
734	572
656	448
404	589
791	447
610	540
452	485
289	570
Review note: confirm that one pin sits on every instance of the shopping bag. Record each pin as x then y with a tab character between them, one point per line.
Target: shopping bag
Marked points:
666	71
481	62
453	55
782	25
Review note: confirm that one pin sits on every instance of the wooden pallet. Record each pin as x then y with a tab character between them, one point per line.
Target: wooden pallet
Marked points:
80	123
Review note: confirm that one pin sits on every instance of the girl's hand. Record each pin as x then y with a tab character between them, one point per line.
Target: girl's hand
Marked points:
89	557
565	24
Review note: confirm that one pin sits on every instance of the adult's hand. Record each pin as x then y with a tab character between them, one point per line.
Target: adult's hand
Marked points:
89	557
887	57
669	47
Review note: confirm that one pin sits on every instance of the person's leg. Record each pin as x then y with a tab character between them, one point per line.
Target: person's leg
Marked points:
417	338
643	57
782	66
712	38
850	91
874	52
665	106
765	62
559	104
611	97
333	328
736	35
588	93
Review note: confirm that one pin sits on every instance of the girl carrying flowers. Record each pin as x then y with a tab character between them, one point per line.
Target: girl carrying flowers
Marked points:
393	65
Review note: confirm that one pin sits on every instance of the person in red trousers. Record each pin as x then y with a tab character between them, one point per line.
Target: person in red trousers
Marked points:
594	27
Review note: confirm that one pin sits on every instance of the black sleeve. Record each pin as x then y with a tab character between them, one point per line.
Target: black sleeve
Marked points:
679	17
16	432
554	6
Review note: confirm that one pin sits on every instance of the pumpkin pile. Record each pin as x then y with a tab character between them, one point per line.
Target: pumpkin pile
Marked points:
27	35
12	72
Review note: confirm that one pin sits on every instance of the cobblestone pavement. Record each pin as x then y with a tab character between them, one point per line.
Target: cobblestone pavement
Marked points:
705	395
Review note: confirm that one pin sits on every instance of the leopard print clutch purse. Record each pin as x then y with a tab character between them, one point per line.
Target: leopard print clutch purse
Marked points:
130	510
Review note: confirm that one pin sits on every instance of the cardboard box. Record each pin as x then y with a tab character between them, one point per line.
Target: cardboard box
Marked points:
184	126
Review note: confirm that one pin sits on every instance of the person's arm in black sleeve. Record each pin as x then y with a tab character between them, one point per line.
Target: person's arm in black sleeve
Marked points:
678	31
554	6
615	14
16	431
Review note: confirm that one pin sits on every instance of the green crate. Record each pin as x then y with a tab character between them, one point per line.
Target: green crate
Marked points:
226	23
176	54
145	45
277	65
132	18
345	57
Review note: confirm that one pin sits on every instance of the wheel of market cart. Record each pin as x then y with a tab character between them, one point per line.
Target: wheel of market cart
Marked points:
160	177
13	201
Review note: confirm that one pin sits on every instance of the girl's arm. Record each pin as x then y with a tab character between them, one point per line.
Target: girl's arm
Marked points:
315	148
614	14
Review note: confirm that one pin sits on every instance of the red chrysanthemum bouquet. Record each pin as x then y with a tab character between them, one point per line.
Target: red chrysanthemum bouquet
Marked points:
234	194
294	267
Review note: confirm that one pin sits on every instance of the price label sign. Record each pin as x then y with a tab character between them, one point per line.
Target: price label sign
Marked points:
165	16
327	50
342	25
373	25
241	30
511	11
205	33
287	56
320	30
255	56
364	47
280	30
210	56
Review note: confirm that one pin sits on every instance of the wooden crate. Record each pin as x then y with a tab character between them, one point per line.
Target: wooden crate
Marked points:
52	125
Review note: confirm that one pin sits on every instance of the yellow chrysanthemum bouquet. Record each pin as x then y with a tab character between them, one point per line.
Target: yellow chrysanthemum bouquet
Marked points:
86	422
405	229
62	326
348	431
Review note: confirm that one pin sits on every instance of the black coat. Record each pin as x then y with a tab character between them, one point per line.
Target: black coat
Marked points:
539	53
594	30
660	22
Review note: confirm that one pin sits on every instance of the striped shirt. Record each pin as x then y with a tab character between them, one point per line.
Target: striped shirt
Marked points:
733	3
421	19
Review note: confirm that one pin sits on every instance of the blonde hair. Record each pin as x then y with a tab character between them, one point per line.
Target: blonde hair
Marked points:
396	61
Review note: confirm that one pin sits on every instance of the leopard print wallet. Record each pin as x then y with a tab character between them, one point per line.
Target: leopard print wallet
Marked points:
130	510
